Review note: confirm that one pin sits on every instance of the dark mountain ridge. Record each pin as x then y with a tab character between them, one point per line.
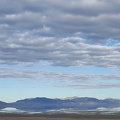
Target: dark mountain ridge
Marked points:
79	103
2	105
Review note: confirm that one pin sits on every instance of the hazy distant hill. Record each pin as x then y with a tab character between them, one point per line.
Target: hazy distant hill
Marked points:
81	103
2	104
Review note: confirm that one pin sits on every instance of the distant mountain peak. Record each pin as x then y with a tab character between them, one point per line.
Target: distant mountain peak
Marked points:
112	99
70	98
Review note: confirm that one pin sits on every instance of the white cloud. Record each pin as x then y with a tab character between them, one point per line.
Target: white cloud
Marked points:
64	79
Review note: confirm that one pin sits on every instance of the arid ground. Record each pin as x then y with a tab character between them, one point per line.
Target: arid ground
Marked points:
57	117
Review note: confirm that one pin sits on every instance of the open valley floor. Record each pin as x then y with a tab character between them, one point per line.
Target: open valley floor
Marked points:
57	117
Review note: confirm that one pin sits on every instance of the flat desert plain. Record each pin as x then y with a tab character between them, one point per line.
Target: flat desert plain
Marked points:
57	117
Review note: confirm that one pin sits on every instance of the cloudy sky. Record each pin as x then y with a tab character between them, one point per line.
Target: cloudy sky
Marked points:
58	49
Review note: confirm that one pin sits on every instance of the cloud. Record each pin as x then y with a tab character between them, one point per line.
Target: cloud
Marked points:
23	48
60	33
95	19
64	79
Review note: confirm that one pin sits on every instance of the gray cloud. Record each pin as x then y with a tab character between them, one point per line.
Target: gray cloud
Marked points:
96	19
23	48
64	79
60	33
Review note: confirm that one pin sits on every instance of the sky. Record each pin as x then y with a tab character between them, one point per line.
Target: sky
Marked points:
59	49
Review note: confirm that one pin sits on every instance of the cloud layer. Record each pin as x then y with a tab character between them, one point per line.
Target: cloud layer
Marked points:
69	51
97	19
64	79
60	33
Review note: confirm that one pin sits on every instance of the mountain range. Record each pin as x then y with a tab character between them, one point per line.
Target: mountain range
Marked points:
79	103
